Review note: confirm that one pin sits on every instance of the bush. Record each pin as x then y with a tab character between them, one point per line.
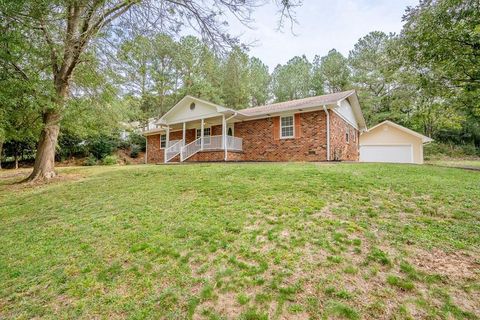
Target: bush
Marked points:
90	161
109	160
103	146
442	150
138	140
135	151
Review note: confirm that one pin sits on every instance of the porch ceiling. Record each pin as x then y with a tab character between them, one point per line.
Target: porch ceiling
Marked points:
193	124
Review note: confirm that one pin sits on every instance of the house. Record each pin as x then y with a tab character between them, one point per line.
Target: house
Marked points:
136	126
318	128
390	142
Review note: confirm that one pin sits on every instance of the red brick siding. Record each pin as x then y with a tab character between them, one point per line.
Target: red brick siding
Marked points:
154	153
259	143
235	156
218	155
339	148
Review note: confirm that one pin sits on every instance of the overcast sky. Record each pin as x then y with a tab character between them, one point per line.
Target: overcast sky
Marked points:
322	25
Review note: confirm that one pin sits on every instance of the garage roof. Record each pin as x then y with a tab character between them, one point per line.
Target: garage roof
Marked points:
425	139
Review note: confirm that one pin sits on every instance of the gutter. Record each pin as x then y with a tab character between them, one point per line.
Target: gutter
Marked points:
233	116
328	132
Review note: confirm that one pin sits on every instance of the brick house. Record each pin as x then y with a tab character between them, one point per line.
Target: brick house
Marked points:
322	128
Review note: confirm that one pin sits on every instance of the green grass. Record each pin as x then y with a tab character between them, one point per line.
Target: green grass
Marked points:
242	241
456	163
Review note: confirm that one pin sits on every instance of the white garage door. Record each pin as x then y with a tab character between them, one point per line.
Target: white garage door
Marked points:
386	153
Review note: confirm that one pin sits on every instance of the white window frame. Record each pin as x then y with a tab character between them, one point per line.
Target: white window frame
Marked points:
293	126
163	135
204	135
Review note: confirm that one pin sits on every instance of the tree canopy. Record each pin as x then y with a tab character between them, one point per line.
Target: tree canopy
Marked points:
87	66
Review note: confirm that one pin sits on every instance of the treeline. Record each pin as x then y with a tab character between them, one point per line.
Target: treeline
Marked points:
427	78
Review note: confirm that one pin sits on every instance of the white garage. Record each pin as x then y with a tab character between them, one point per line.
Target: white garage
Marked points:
390	142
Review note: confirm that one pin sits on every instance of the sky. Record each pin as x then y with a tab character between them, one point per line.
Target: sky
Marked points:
322	25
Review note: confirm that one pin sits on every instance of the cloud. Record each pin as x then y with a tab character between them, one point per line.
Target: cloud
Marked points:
322	25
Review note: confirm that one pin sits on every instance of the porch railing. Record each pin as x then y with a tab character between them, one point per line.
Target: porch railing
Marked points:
190	149
173	149
210	143
234	143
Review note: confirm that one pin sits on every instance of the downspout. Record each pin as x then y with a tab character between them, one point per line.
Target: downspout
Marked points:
232	116
328	132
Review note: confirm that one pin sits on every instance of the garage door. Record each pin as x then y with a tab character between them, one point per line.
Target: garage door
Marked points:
386	153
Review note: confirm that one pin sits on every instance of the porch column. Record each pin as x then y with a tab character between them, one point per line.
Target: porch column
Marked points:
201	135
167	138
224	137
184	132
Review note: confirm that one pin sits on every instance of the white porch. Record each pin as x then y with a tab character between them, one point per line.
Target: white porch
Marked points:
204	139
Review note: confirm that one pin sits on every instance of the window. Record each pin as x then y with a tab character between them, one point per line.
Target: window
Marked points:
286	127
347	136
206	135
354	134
163	141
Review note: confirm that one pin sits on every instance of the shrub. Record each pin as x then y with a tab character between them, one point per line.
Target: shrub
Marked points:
439	150
135	151
102	146
109	160
90	161
138	140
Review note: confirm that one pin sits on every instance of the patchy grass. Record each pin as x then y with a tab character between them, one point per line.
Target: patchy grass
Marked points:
458	163
242	241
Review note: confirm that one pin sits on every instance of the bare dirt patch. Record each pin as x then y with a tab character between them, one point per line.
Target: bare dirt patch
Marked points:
453	265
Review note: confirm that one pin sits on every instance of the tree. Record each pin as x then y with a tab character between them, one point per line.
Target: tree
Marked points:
61	33
293	80
333	69
200	73
259	82
372	75
439	45
235	80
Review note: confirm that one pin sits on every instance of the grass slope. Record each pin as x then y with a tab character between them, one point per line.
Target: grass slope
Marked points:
247	241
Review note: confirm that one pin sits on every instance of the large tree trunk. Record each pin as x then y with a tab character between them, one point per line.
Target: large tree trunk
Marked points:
44	167
1	152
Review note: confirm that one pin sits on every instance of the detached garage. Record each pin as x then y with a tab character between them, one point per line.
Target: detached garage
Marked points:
390	142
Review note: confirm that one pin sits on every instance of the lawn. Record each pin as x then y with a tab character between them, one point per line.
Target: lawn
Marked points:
247	241
470	164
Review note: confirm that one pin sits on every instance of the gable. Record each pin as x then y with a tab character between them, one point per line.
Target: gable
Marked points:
344	110
394	130
190	108
387	134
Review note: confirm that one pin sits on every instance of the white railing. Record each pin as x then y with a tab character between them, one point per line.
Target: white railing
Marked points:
173	149
234	143
190	149
210	143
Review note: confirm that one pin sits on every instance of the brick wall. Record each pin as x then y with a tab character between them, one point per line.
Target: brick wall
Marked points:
340	149
154	153
217	155
259	143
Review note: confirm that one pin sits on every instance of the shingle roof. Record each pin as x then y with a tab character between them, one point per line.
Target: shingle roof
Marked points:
297	104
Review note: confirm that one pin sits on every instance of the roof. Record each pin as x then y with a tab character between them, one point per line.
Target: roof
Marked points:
191	98
326	99
304	104
425	139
